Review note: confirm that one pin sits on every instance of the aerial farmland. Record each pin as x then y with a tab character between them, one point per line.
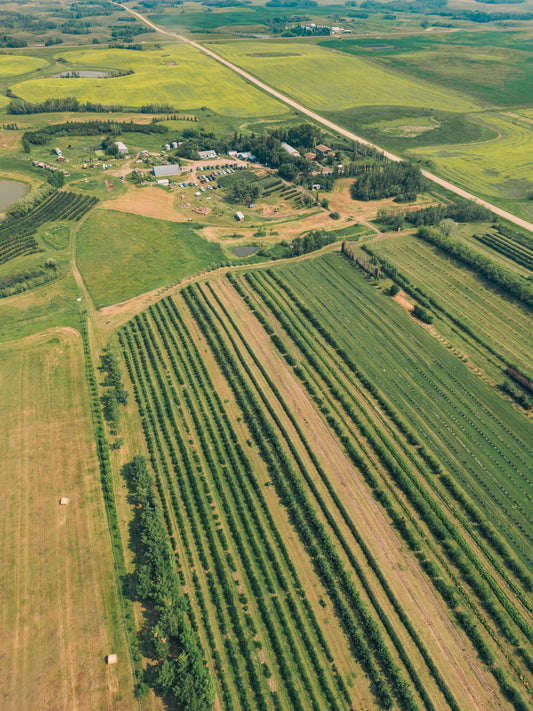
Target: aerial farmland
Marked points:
266	381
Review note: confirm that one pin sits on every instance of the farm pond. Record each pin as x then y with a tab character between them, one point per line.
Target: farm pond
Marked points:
82	74
246	250
10	191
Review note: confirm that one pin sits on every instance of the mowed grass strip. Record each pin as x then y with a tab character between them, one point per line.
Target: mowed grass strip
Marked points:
178	75
122	255
59	612
325	80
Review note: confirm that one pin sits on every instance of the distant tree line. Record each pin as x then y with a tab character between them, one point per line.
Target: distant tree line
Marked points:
459	211
89	128
71	103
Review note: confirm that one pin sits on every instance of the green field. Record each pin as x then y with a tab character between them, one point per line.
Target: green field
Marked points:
495	319
122	255
490	67
499	168
323	80
177	75
269	358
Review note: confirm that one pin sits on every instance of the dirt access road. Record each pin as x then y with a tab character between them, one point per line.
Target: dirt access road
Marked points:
338	129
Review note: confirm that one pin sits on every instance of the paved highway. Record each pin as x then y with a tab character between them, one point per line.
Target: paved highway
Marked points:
329	124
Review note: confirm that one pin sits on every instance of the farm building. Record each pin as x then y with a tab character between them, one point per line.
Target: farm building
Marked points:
163	181
310	156
206	155
122	148
246	155
239	216
166	147
174	144
163	171
324	150
290	150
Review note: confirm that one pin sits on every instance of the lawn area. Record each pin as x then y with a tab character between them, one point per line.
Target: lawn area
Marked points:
59	612
122	255
324	80
177	74
499	168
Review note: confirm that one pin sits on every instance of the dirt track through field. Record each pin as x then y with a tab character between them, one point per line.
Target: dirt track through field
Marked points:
329	124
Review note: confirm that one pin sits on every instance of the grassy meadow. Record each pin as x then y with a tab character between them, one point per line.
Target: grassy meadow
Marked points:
59	606
178	75
498	169
121	255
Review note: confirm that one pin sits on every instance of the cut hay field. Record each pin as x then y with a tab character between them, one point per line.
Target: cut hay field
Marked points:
325	80
492	317
178	75
499	168
121	255
59	612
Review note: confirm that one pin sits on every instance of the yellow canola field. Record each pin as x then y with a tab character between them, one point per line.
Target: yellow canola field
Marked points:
325	80
178	75
12	65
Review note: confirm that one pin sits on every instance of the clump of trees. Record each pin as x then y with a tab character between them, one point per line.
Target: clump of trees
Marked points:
459	211
389	180
115	393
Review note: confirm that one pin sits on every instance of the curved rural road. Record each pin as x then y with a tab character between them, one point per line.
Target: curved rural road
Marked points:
329	124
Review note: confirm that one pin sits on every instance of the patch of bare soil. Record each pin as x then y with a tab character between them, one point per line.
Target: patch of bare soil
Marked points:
401	299
148	202
109	185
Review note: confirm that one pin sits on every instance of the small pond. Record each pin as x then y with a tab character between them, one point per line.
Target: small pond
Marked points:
10	191
246	250
82	74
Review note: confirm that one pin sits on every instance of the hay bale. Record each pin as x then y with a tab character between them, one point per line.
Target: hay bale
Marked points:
63	501
111	659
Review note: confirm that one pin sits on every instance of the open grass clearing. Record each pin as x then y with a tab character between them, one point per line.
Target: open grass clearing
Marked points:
59	607
13	65
121	255
178	75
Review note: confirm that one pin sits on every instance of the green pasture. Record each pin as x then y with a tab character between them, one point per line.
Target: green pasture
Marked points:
178	75
480	439
399	128
488	66
324	80
497	169
121	255
495	319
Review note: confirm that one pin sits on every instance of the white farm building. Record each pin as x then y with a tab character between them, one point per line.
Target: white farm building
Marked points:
207	155
122	148
163	171
290	150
